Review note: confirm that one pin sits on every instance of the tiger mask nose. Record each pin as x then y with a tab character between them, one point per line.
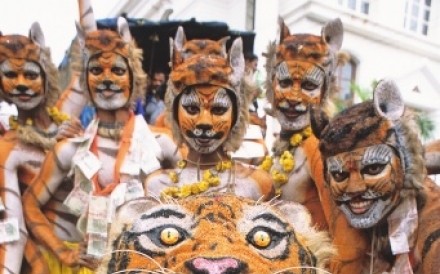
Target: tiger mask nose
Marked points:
203	265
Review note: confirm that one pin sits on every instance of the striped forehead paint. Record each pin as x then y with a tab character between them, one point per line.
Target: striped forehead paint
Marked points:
282	71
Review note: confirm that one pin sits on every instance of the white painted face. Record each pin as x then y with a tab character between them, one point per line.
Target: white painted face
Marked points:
109	81
22	83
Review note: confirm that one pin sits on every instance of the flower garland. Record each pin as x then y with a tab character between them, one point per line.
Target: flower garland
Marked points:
57	116
286	162
210	178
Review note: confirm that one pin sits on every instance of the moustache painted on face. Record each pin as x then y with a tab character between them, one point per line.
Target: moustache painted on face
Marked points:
108	85
204	134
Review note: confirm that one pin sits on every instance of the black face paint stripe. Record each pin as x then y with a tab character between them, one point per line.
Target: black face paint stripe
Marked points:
429	242
165	213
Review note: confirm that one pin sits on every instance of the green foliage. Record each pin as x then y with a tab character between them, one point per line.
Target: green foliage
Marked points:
426	125
363	93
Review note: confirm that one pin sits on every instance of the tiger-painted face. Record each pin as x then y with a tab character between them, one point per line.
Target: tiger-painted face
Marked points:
212	234
22	83
366	183
296	86
205	115
298	81
299	68
109	81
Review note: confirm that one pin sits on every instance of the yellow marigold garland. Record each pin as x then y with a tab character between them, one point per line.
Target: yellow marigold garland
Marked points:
57	116
286	160
210	178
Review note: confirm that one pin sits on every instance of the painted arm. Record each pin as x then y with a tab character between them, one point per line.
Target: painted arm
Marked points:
40	192
73	99
170	152
11	253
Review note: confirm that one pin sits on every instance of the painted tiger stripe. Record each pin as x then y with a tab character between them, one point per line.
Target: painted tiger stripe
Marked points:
12	159
429	241
42	192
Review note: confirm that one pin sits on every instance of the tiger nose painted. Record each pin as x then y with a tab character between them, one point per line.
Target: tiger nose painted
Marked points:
215	266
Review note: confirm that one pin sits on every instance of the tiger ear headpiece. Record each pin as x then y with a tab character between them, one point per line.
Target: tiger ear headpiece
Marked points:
202	69
32	48
94	42
320	51
181	49
382	120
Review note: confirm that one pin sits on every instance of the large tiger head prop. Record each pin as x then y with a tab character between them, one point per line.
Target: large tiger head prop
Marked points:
217	233
207	107
299	68
112	65
372	156
28	78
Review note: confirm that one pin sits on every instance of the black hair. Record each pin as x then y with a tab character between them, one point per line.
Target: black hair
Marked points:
250	56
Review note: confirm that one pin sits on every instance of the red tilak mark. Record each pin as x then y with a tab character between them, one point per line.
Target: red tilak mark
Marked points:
352	165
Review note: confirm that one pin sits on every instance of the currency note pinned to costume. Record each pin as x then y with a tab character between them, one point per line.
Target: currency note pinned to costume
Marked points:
9	230
77	200
97	216
96	245
134	190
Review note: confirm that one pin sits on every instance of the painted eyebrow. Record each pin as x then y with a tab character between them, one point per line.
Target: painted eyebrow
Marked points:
94	63
190	99
270	217
120	62
5	67
222	99
29	66
165	213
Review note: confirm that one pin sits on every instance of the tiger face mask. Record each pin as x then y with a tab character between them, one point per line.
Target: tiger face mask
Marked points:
365	183
205	117
299	68
296	86
22	83
108	79
23	67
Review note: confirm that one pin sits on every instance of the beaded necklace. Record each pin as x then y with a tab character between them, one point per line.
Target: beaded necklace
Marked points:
280	170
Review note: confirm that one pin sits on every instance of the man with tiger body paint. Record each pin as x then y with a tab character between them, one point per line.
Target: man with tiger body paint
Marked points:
299	70
375	170
110	160
208	112
28	79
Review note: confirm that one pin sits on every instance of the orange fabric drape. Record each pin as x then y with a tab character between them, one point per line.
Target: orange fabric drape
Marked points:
124	146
